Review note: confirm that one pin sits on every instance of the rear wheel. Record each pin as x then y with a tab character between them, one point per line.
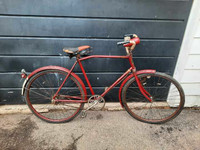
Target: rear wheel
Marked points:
39	92
167	98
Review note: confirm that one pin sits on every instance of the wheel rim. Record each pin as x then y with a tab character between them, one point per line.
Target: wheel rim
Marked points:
166	103
41	90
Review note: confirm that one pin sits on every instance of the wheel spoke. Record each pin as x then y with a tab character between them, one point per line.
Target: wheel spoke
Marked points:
41	89
162	108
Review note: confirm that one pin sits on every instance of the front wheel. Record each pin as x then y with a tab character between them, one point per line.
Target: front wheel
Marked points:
166	93
40	90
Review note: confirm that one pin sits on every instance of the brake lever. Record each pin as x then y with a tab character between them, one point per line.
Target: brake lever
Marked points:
124	42
130	35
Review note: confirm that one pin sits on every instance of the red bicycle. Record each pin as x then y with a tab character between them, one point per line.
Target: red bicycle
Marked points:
56	94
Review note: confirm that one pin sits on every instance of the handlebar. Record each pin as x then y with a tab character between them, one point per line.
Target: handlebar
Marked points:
133	38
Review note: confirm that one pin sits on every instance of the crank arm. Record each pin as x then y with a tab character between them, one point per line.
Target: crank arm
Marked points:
84	111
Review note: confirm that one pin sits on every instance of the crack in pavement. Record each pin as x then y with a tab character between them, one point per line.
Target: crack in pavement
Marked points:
73	145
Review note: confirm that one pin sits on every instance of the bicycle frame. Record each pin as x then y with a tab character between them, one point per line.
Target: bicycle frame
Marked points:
121	78
54	106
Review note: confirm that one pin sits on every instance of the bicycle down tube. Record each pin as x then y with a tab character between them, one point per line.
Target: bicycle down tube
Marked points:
123	76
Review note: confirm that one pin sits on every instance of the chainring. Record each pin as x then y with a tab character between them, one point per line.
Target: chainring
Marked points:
97	101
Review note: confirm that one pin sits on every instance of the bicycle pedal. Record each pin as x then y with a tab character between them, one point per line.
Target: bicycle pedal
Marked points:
83	114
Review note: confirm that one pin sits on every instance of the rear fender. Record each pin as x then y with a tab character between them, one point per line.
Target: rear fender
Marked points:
128	78
52	68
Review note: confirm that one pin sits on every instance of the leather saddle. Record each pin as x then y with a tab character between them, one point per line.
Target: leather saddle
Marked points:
82	50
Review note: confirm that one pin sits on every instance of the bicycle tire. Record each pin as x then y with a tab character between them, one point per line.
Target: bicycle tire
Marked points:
141	109
40	89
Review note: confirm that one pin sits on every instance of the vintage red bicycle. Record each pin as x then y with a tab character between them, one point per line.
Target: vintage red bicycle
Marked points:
56	94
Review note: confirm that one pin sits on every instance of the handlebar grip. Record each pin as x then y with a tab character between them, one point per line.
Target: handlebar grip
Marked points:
136	40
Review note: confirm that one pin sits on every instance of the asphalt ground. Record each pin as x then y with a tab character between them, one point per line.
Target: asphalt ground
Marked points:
100	130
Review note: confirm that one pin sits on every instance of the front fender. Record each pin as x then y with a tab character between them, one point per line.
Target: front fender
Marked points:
52	68
128	78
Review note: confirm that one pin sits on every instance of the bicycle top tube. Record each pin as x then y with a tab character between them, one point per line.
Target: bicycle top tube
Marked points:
103	56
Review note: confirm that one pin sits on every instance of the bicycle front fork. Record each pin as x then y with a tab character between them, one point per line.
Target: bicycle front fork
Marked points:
142	90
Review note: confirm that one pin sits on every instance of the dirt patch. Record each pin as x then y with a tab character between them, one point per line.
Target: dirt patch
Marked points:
99	116
18	137
177	131
96	117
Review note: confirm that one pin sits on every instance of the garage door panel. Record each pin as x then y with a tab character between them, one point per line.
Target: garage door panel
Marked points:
12	64
54	46
88	28
155	9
